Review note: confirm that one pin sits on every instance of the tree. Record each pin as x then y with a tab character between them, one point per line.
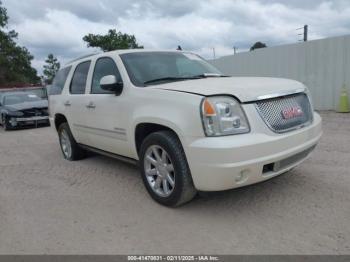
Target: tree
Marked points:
3	16
15	61
51	68
112	41
258	45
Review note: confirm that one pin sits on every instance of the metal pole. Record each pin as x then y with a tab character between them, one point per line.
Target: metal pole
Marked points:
234	50
305	32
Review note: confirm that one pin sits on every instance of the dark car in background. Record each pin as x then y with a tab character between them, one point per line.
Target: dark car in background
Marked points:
23	109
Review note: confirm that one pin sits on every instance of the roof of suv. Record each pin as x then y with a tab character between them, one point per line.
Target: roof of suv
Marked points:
123	51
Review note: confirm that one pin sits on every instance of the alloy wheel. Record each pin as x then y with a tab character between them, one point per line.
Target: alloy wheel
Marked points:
65	144
159	171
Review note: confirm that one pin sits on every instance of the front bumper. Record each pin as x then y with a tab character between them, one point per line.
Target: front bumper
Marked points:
221	163
27	121
34	118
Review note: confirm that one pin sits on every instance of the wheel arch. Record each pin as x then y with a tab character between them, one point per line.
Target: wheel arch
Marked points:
59	119
145	128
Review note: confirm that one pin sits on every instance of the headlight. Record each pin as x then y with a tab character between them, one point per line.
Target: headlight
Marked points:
223	115
15	113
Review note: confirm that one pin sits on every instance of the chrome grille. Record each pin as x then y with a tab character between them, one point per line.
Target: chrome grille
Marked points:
35	112
272	112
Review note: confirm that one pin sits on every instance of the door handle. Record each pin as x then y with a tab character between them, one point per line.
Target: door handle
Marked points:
67	103
90	105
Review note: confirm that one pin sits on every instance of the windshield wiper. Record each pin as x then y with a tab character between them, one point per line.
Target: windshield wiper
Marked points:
181	78
205	75
171	78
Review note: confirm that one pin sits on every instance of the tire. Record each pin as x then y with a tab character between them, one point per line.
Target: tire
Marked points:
181	190
5	124
70	149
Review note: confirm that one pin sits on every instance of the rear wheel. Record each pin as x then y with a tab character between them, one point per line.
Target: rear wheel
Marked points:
164	169
70	149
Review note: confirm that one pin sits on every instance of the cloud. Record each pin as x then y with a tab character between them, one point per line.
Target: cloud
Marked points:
59	31
48	26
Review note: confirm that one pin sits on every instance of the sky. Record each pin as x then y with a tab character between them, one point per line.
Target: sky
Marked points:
52	26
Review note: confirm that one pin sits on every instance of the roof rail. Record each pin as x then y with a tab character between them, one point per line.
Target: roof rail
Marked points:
82	57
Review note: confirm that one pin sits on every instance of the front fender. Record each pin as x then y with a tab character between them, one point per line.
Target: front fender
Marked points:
3	112
159	121
178	112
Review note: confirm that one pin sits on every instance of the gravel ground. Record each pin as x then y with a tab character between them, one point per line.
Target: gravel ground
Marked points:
99	205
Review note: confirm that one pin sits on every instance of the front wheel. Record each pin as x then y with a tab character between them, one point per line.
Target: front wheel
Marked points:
165	170
5	123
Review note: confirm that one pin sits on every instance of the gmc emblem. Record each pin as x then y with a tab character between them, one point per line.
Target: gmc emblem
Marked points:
292	112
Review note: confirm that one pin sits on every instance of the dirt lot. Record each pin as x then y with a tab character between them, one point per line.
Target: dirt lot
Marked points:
99	205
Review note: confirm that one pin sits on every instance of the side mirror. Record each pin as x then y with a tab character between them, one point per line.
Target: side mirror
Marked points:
110	83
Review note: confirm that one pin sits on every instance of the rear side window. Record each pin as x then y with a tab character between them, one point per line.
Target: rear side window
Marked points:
78	83
104	66
59	81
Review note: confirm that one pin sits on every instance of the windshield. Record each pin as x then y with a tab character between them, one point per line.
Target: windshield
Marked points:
20	98
144	67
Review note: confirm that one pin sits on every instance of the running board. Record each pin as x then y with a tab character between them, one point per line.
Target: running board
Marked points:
109	154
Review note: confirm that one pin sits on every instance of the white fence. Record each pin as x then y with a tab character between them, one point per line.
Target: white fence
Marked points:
322	65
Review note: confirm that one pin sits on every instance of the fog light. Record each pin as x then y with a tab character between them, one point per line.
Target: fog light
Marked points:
13	121
242	176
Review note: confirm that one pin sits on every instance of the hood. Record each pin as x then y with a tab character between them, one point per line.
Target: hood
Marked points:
246	89
28	105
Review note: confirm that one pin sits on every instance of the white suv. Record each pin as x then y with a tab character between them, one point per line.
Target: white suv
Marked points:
188	126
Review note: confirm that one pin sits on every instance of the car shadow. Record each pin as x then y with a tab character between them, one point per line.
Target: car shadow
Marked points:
277	193
239	198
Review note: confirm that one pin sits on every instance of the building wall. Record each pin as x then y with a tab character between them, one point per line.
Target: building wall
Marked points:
322	65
